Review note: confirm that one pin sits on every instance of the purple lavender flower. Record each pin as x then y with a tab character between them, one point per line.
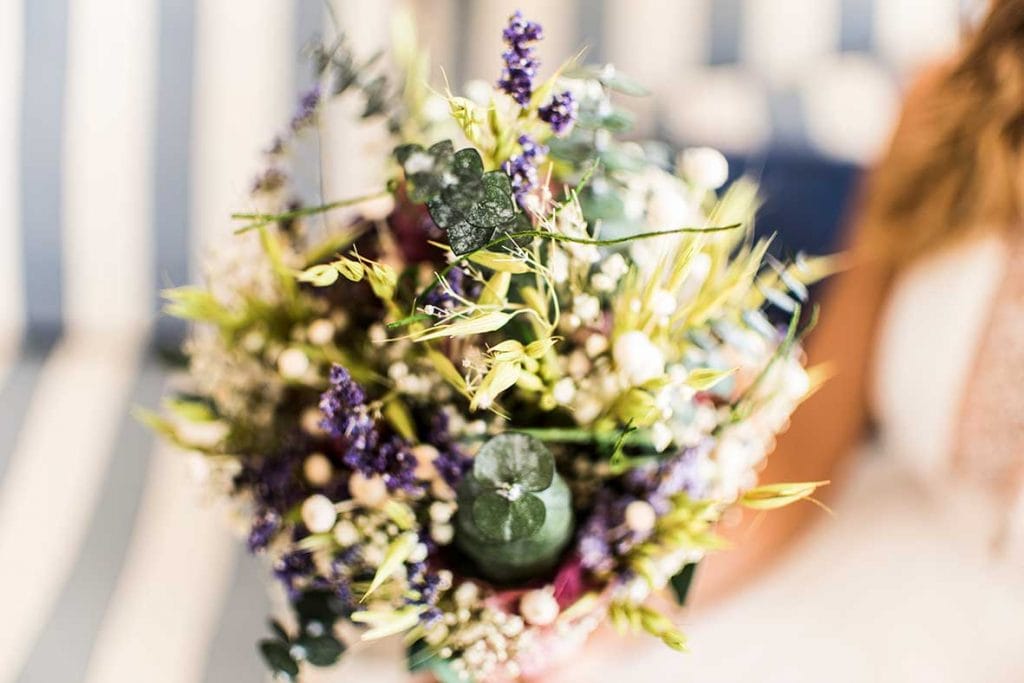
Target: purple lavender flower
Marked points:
264	526
357	435
560	112
308	104
440	299
292	568
522	168
451	462
520	63
604	537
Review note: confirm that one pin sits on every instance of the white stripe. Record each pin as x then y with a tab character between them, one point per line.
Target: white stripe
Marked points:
355	153
491	16
435	32
782	38
657	43
107	170
912	32
11	48
171	590
55	476
244	64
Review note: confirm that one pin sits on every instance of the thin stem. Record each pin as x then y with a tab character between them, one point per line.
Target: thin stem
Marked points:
556	237
262	219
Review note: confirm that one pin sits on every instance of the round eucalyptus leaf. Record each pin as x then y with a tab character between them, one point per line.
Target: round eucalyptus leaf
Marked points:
515	459
467	164
319	605
503	519
321	650
278	658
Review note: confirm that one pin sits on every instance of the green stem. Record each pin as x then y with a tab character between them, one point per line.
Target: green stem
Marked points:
261	219
556	237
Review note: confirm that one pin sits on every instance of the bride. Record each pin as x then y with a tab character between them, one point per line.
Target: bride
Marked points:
917	576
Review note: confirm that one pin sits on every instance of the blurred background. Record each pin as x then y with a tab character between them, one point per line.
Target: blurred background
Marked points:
130	129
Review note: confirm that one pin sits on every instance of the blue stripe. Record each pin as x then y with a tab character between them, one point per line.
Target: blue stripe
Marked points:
171	173
857	21
789	127
16	394
66	643
42	130
726	29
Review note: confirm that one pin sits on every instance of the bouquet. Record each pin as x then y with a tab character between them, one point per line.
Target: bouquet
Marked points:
506	398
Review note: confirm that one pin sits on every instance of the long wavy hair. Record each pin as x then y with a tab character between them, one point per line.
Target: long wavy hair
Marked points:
956	164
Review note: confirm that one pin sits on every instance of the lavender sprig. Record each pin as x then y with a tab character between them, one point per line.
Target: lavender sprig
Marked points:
520	62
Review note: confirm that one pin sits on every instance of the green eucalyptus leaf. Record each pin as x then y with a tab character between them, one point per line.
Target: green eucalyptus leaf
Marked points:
467	165
495	206
420	658
320	606
443	215
321	650
279	630
465	237
277	656
503	519
464	195
681	583
515	459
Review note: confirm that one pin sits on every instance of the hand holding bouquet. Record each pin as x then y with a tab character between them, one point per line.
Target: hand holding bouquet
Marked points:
513	397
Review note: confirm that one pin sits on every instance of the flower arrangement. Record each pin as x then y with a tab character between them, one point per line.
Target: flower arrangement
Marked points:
509	399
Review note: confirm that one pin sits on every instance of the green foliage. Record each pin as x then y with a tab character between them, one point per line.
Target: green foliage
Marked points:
515	511
471	206
681	583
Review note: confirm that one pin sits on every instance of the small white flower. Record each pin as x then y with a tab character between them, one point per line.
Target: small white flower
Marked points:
292	363
425	455
663	303
367	491
419	553
441	512
615	266
564	390
320	332
467	594
442	533
345	533
587	307
310	420
640	516
705	167
638	358
661	436
539	607
318	513
317	469
595	345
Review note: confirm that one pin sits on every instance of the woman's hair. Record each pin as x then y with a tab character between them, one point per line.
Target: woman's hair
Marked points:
956	163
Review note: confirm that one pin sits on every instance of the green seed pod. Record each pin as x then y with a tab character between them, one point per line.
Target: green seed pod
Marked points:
515	511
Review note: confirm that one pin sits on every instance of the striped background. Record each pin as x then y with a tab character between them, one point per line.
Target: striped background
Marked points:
129	130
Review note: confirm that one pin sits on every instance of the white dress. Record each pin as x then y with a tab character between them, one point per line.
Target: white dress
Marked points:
902	584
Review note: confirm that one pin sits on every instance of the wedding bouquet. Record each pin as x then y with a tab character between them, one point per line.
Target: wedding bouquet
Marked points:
510	396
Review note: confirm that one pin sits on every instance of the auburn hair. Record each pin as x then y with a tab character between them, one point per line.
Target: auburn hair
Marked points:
956	162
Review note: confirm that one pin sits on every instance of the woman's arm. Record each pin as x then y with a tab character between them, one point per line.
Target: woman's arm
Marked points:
824	429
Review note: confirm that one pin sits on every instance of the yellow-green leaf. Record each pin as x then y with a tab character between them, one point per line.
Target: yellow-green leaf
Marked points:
384	623
703	379
771	496
496	290
398	552
322	275
447	370
500	377
397	415
499	262
463	327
